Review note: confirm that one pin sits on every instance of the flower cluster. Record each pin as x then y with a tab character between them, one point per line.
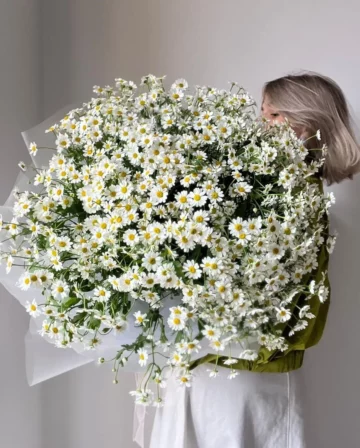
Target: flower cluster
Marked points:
169	193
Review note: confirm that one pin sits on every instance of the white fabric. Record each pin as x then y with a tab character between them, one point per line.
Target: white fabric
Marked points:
253	410
139	416
140	411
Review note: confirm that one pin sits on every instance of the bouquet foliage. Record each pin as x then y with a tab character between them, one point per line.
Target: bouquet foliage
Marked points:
168	193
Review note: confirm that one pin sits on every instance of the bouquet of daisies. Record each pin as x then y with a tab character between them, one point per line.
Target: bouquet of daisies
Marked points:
168	194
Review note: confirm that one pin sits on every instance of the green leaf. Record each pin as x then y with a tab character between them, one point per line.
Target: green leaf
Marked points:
70	302
94	324
178	268
179	336
196	252
79	318
87	286
42	242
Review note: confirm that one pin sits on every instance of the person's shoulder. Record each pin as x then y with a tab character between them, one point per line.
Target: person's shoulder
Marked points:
318	179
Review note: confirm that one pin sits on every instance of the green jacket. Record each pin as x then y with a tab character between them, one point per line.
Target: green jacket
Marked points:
292	358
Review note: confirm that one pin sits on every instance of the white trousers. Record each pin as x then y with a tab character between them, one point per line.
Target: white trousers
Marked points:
252	410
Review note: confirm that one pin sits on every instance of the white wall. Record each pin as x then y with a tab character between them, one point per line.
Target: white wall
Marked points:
87	42
20	94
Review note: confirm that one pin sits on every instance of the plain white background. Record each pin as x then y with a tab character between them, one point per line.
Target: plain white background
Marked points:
52	53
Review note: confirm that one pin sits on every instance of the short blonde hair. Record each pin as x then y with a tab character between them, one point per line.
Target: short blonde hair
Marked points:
314	101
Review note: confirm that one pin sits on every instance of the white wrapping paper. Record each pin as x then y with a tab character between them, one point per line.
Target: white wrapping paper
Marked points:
43	359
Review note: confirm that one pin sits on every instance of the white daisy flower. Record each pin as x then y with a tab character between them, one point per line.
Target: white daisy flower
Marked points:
233	374
213	373
176	322
250	355
101	294
223	286
62	142
185	241
254	225
230	361
151	261
45	328
22	207
192	346
33	149
237	226
120	325
149	280
63	243
283	314
303	312
33	309
217	345
275	251
145	398
130	237
211	266
201	217
197	198
126	283
176	359
159	380
55	329
158	195
242	188
143	356
182	199
24	282
124	190
323	293
300	325
93	343
185	379
60	289
215	195
192	269
140	318
180	84
211	333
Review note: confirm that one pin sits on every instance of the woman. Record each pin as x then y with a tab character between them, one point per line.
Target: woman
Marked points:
261	408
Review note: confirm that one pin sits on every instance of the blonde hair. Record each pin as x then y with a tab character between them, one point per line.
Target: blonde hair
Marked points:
313	101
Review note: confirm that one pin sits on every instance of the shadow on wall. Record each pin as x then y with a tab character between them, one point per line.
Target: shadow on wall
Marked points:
330	368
